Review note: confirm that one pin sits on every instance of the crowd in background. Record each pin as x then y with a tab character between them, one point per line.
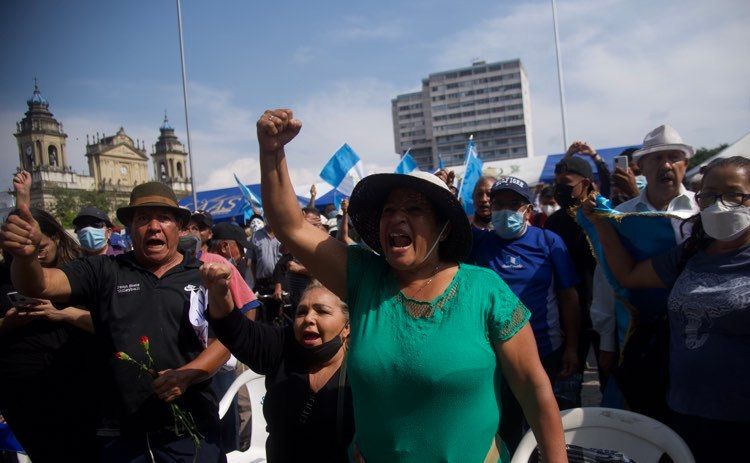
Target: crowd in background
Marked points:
382	326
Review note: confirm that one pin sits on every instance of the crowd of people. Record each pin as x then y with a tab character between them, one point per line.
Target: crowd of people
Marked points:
395	328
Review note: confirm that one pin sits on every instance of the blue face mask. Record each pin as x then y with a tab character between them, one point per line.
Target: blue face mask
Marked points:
640	181
92	238
508	224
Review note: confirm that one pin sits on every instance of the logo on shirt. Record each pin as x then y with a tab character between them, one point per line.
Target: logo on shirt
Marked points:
129	288
190	288
511	261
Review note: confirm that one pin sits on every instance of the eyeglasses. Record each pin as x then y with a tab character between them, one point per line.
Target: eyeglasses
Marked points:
732	199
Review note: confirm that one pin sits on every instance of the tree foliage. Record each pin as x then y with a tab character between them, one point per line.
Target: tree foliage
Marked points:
69	202
701	154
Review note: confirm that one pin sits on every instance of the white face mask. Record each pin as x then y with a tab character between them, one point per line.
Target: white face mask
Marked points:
256	224
549	209
725	223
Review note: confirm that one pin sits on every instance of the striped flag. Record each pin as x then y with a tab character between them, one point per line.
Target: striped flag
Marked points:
251	201
343	170
407	164
472	173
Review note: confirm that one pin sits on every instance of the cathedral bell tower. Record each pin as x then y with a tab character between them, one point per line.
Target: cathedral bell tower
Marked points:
171	161
40	137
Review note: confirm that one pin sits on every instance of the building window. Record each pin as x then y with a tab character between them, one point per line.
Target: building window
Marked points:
179	169
162	171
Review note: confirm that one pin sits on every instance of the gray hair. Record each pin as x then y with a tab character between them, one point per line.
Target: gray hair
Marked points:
315	284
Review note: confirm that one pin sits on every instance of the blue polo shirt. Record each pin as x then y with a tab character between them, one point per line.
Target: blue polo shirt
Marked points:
535	266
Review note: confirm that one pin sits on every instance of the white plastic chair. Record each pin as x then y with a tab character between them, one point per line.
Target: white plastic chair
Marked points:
256	386
637	436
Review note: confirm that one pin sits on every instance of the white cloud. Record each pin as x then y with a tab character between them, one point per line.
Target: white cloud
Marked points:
353	112
628	67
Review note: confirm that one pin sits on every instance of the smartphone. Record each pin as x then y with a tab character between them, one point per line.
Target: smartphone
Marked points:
621	162
19	300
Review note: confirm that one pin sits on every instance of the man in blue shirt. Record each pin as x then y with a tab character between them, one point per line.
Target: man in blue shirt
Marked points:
537	267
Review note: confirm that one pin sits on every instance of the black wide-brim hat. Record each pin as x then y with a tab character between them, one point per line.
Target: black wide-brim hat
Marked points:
366	207
152	194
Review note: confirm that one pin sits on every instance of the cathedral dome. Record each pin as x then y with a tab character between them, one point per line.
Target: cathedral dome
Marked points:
37	98
165	125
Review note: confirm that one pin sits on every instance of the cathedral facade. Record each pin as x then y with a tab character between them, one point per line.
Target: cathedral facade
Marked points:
116	163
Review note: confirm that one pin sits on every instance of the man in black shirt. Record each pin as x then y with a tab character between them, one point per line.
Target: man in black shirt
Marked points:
153	291
574	181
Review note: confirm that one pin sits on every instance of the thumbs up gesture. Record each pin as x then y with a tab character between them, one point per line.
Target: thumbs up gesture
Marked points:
22	187
20	234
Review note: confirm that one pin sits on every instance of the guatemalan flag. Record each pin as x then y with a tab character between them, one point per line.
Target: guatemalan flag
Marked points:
645	235
472	173
251	201
407	164
343	170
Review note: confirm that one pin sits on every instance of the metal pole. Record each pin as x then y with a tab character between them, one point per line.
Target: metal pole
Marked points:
559	77
185	100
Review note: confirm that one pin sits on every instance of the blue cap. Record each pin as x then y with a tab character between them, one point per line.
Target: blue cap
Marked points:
513	184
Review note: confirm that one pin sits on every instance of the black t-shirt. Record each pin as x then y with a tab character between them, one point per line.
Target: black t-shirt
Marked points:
127	302
272	351
561	223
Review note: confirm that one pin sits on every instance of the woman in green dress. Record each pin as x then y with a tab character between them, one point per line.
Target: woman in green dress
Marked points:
431	338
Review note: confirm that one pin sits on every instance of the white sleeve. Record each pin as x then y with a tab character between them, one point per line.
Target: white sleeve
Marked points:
603	312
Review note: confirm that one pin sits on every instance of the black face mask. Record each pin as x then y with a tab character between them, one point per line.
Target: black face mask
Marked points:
563	195
318	355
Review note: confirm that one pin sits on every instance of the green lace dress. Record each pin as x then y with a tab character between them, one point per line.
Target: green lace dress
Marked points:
426	388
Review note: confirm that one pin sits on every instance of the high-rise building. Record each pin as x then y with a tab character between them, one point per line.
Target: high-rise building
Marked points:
489	101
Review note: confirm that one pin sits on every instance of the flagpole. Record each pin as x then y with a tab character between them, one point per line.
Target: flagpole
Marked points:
466	164
560	77
185	100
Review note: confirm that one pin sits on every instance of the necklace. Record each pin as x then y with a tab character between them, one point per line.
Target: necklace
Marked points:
427	283
425	309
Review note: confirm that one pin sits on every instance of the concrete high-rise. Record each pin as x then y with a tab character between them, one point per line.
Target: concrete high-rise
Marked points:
490	101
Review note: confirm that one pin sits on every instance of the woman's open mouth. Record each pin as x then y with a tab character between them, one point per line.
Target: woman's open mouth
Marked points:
310	338
399	240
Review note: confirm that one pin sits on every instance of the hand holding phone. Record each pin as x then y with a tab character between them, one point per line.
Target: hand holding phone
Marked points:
621	162
20	301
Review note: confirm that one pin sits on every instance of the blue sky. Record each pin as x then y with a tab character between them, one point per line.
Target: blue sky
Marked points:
629	65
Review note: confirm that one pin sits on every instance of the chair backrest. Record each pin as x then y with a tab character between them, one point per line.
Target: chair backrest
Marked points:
257	390
256	387
637	436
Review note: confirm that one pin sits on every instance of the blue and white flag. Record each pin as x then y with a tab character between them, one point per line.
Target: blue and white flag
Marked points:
441	164
472	173
343	170
644	235
407	164
251	201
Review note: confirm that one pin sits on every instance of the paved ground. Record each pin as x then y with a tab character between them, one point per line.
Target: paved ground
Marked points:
590	395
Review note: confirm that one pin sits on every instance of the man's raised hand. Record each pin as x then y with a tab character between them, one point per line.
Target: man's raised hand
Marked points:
216	276
20	234
276	128
22	187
